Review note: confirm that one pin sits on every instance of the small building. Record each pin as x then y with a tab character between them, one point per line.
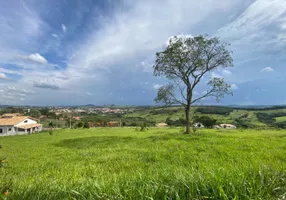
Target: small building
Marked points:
18	125
77	118
227	126
112	124
217	126
199	125
43	117
161	125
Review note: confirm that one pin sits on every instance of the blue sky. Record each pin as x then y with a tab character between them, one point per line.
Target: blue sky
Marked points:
102	51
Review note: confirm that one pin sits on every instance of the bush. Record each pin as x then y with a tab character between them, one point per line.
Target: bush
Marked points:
143	127
179	122
51	125
215	110
206	121
86	125
265	118
80	124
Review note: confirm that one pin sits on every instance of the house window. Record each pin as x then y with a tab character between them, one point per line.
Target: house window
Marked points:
25	121
10	129
1	130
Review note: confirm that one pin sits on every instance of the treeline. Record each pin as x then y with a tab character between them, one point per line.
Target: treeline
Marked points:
165	111
269	119
204	120
261	108
215	110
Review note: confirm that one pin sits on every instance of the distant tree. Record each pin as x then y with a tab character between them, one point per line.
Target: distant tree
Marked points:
35	113
44	111
206	121
185	62
80	124
143	127
51	124
51	115
86	125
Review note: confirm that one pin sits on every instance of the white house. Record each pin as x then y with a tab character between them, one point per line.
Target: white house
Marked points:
11	124
199	125
227	126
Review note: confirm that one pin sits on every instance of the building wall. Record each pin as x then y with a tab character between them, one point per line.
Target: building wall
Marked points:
29	121
11	130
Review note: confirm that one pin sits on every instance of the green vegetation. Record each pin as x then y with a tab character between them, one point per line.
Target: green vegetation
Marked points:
122	163
280	119
185	61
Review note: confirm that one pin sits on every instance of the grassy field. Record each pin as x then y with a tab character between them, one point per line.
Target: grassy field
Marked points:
58	123
280	119
122	163
230	118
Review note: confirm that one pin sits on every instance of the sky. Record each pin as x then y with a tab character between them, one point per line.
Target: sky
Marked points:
76	52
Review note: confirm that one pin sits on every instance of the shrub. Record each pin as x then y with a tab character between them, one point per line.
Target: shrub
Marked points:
206	121
215	110
80	124
143	127
86	125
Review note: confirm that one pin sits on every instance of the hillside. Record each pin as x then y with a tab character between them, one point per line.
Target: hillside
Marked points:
247	117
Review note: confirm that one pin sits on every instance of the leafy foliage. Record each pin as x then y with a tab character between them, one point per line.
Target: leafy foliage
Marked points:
215	110
206	121
86	125
51	125
178	122
80	124
185	61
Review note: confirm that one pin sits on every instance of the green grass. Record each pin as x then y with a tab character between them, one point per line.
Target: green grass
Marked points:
59	123
280	119
121	163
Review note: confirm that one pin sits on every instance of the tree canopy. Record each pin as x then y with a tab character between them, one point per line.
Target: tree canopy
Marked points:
185	61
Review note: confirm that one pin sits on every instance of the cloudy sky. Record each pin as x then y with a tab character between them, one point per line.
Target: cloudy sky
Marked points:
101	51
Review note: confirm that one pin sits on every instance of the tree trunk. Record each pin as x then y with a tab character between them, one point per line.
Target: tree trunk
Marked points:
188	124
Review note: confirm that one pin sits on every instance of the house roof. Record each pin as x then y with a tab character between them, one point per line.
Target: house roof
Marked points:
227	125
161	124
12	121
11	115
27	126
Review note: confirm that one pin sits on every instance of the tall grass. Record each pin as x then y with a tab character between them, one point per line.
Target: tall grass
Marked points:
157	164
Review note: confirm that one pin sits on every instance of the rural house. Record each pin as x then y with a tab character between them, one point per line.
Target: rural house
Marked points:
199	125
161	125
12	124
227	126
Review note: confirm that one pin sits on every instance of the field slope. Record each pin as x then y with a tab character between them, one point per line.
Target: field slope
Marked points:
123	163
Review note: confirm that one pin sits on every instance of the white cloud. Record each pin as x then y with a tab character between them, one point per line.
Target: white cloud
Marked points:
46	84
35	58
21	29
64	28
234	87
3	76
157	86
215	75
267	69
183	36
226	72
140	31
89	94
55	35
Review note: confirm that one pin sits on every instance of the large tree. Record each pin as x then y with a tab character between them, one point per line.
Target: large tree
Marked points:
185	61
